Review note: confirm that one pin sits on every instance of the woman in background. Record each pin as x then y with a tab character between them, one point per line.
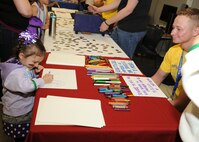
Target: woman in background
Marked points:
14	17
132	20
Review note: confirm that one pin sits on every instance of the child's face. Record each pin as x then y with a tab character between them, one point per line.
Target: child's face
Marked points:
31	61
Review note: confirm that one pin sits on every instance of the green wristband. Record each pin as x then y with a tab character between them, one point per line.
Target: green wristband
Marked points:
35	85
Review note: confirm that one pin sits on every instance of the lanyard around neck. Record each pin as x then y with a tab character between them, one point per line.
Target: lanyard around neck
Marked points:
178	77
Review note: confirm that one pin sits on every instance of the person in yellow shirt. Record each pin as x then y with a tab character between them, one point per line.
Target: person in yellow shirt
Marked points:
174	56
185	29
108	14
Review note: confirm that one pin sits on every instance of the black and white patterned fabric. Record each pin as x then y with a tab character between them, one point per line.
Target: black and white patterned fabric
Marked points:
16	130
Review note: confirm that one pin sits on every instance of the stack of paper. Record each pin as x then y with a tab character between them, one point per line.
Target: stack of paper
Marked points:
61	58
55	110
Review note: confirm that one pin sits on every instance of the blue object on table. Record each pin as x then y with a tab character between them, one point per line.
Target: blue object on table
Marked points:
87	22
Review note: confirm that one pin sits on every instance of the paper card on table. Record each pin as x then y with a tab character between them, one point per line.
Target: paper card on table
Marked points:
61	58
143	86
72	111
62	78
39	111
125	67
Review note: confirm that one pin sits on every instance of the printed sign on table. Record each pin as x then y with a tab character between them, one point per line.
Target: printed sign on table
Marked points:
125	67
143	86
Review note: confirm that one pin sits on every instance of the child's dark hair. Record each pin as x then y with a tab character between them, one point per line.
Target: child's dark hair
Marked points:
36	48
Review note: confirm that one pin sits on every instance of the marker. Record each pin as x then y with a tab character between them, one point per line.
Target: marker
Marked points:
111	93
130	95
120	100
119	95
105	90
122	109
119	106
118	103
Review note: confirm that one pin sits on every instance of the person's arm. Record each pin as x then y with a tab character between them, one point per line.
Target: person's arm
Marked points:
131	4
35	10
104	8
55	3
159	76
46	25
17	81
23	7
181	102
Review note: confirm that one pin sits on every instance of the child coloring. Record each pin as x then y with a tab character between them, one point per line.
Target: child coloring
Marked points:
20	81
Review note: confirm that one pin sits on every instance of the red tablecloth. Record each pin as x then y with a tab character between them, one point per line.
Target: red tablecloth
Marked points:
149	120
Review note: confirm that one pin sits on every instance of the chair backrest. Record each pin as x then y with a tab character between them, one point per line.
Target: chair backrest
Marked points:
152	37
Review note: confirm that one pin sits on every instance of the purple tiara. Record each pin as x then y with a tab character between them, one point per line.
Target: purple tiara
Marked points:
28	37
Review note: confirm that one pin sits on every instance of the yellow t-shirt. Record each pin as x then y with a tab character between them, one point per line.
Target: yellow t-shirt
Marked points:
171	62
108	14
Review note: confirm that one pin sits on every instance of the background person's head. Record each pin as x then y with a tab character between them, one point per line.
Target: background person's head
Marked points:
186	27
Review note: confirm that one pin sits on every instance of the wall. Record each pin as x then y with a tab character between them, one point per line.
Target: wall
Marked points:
195	4
156	8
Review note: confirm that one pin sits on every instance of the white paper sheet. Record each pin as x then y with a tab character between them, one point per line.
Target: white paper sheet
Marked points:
39	111
62	78
70	111
61	58
125	67
143	86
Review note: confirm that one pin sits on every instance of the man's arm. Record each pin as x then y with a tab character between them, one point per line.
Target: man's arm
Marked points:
131	4
107	7
181	102
159	76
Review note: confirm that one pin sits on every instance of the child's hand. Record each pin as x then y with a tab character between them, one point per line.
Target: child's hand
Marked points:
39	68
48	78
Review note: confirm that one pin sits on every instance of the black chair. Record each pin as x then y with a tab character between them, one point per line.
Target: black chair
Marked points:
147	46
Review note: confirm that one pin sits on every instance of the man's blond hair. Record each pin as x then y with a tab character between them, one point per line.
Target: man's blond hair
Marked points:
192	13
